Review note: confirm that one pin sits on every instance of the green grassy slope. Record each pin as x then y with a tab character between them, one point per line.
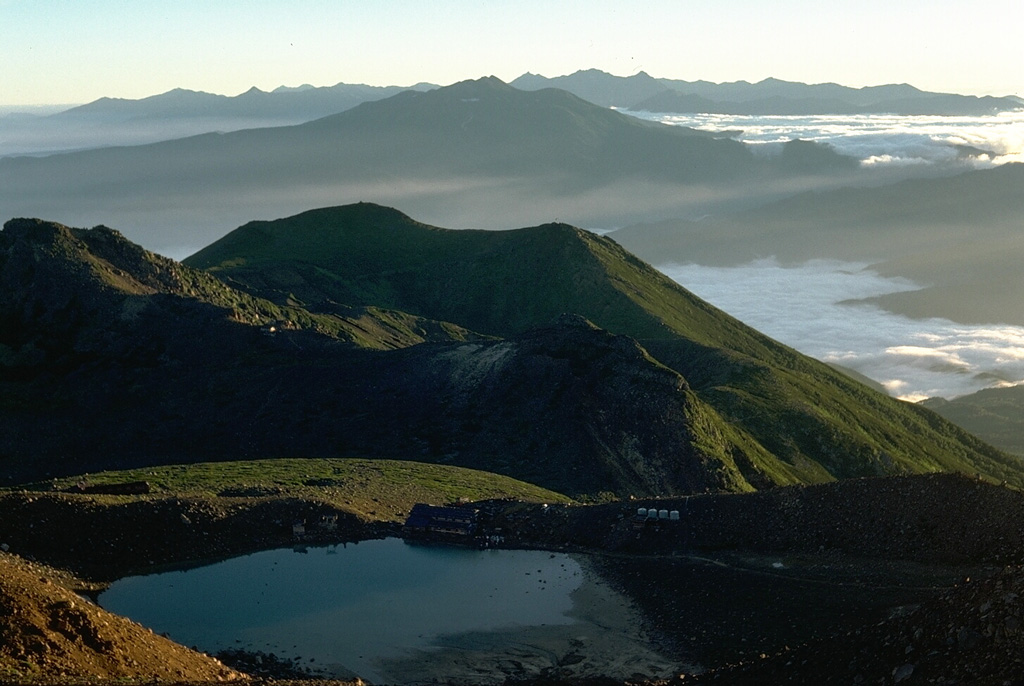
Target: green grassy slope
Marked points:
375	489
121	359
99	279
994	414
810	422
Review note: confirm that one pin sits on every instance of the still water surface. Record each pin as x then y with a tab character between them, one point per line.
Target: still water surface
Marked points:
346	609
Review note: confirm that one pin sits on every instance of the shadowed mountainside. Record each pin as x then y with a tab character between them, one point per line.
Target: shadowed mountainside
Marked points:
808	422
121	358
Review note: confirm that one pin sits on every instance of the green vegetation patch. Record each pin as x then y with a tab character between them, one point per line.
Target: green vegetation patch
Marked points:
374	489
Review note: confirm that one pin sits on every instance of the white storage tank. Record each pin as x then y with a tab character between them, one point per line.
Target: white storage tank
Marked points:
662	514
641	512
674	515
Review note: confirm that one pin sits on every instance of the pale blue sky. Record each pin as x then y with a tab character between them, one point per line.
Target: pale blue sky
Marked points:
71	51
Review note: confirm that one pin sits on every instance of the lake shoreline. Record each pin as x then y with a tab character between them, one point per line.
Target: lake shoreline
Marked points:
610	638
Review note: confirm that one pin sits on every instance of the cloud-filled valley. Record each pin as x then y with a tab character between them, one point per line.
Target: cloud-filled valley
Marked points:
809	308
879	140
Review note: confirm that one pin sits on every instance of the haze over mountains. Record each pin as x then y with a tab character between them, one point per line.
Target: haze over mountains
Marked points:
179	113
770	96
483	154
958	236
476	154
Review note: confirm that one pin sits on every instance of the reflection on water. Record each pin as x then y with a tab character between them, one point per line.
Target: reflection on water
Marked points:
347	609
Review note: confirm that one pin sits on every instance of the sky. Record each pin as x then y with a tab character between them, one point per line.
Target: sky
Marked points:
75	51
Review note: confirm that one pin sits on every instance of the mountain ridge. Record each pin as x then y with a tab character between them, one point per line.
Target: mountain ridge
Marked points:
765	97
785	403
564	362
93	381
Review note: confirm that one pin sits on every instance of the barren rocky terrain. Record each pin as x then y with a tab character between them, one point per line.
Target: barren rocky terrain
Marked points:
51	633
893	580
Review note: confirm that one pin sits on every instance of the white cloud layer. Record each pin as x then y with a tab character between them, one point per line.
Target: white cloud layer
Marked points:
878	139
914	359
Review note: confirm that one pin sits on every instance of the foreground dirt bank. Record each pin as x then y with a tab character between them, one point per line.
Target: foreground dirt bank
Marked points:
50	633
106	537
842	583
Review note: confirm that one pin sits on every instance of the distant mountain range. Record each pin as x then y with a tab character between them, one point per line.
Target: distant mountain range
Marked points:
294	105
768	97
179	113
479	153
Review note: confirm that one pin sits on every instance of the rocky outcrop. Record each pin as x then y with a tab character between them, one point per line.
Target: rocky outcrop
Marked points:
568	405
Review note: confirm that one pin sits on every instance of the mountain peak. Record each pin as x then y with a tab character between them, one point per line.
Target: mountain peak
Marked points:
35	231
482	82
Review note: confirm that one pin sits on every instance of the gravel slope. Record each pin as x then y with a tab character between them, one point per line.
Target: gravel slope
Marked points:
51	634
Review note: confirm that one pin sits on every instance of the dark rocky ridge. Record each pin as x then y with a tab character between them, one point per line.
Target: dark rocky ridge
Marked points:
119	358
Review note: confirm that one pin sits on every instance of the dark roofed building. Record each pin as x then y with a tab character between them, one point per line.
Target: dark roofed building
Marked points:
442	521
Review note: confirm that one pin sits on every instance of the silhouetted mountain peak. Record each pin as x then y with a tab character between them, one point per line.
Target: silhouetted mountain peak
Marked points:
49	263
484	84
35	231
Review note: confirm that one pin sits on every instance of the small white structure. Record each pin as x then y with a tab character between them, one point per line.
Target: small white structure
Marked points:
641	512
674	515
662	514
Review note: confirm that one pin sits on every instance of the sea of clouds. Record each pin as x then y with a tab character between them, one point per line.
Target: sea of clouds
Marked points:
878	139
803	307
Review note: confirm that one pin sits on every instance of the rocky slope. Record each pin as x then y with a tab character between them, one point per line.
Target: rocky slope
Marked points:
51	634
808	577
969	635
